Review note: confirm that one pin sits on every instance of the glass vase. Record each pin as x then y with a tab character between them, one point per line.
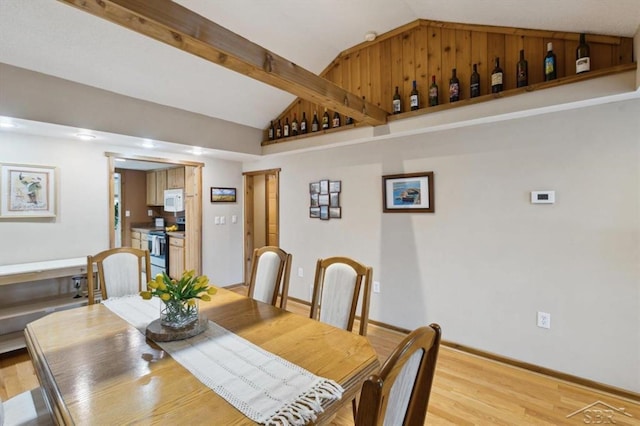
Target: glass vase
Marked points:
178	313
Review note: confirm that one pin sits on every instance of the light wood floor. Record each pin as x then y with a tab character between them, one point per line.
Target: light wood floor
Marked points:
468	390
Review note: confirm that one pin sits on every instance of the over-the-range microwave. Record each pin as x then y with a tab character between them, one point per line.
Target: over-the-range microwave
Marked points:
173	200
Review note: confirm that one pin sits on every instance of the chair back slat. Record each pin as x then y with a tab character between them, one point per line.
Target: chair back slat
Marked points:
337	295
270	271
120	272
399	395
338	285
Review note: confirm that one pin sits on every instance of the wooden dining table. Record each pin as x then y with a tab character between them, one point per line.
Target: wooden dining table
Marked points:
95	368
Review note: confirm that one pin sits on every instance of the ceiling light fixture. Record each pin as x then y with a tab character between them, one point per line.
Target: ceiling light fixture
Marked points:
148	143
197	151
85	136
370	35
7	125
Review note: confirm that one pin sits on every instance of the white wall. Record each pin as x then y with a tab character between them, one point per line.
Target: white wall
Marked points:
81	225
487	260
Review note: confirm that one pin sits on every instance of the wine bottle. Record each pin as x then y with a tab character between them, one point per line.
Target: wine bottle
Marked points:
583	58
325	119
336	120
414	97
496	77
348	120
454	87
294	125
303	123
272	131
397	102
474	85
279	130
285	132
433	92
550	72
522	71
314	124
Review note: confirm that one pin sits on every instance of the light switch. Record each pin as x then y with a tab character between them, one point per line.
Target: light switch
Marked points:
222	220
543	197
149	212
216	220
234	219
127	213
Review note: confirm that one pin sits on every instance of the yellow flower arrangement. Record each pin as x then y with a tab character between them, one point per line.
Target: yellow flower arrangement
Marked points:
179	296
188	287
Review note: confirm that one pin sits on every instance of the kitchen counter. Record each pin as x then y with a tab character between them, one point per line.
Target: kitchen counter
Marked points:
176	234
149	228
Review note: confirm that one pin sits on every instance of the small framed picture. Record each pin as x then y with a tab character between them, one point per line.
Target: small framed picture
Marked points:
314	200
314	188
223	195
324	212
335	212
323	199
335	186
314	212
324	186
334	199
408	193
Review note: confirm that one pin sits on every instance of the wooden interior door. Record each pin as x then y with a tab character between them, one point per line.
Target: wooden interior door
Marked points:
261	213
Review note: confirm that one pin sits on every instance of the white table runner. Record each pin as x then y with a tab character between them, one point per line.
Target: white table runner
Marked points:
264	387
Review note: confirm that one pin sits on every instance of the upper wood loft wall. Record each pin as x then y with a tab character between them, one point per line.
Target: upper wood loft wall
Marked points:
418	50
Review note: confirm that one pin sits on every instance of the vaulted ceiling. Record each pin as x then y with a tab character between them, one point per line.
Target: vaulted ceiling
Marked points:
54	38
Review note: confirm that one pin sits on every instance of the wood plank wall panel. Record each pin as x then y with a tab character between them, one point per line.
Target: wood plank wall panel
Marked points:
421	49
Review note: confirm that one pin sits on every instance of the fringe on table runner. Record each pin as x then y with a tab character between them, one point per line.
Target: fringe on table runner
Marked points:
304	408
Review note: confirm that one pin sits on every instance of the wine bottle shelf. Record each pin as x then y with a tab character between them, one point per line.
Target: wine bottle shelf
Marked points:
473	101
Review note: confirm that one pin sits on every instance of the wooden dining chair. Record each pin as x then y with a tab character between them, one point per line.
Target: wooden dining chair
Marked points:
336	290
120	272
399	395
270	271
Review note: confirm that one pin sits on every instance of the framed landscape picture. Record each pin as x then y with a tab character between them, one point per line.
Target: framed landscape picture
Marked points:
409	192
223	195
27	191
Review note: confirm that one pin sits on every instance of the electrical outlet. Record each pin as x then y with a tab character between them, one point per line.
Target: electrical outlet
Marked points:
149	212
216	220
376	286
544	320
300	272
234	219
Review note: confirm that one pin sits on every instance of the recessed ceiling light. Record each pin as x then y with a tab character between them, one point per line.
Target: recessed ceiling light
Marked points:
85	136
148	143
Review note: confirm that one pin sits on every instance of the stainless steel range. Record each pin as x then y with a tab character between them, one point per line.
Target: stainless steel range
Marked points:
158	252
159	249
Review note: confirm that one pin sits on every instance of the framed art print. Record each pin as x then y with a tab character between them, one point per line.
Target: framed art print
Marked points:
27	191
410	192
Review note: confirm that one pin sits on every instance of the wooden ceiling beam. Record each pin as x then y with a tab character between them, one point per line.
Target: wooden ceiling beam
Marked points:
173	24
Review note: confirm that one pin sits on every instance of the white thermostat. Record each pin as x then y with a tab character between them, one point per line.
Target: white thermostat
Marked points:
543	197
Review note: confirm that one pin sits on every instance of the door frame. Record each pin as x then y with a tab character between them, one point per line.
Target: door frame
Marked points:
193	203
249	212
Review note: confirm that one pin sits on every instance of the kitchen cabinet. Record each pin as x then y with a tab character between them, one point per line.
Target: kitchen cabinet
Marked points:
175	178
156	184
176	257
135	239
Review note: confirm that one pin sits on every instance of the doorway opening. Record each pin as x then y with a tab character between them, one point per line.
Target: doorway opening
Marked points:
261	213
120	178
